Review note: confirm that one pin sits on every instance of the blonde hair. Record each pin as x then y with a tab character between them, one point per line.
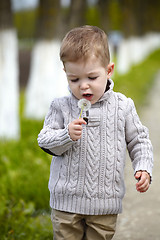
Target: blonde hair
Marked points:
83	42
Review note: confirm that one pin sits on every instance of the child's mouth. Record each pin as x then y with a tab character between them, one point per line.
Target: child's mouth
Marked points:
88	96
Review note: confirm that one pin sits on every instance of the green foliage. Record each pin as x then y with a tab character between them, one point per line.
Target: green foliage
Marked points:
18	221
92	16
25	23
24	195
127	17
138	81
115	15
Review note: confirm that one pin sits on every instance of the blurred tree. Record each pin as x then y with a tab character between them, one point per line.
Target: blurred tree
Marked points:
49	19
46	75
6	17
9	92
77	13
152	15
110	15
132	17
103	6
140	16
115	15
129	11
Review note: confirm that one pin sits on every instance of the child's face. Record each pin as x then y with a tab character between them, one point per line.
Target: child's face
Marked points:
87	79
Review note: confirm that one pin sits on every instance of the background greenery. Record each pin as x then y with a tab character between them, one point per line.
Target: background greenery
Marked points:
24	171
138	81
132	18
25	23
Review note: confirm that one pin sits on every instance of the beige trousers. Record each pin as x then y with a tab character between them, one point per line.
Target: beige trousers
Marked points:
70	226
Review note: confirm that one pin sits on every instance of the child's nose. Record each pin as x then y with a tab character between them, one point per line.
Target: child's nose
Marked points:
84	85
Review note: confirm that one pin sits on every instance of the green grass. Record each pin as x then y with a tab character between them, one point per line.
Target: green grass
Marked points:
24	195
138	81
24	167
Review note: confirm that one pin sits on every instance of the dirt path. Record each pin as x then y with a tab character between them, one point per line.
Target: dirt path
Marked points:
140	219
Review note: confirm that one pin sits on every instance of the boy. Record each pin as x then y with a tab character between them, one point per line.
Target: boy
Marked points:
86	176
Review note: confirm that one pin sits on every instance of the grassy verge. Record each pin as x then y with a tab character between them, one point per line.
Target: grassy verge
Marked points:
138	81
24	195
24	168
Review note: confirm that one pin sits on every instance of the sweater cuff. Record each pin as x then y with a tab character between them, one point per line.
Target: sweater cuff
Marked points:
56	144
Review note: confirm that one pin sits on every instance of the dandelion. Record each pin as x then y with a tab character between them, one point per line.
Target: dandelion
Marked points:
84	105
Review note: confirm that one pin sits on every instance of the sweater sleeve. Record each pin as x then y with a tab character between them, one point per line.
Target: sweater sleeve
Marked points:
54	137
138	143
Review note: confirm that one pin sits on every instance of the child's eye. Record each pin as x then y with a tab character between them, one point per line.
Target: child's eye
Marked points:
92	78
74	80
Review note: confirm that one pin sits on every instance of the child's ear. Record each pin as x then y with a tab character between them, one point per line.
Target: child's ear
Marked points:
110	70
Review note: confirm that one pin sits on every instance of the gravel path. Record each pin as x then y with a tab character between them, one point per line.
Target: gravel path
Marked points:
140	219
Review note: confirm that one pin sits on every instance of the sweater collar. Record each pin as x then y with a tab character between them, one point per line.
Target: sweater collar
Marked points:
108	91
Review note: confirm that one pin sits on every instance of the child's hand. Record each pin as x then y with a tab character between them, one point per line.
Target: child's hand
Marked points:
144	180
75	129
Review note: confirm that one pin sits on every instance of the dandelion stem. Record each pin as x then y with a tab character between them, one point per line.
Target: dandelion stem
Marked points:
81	111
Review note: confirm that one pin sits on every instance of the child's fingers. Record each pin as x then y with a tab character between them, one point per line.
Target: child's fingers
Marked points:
77	125
80	121
75	129
138	175
143	184
143	188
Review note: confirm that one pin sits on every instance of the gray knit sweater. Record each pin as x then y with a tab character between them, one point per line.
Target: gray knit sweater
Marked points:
87	176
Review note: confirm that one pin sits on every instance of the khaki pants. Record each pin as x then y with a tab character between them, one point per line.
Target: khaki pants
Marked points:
70	226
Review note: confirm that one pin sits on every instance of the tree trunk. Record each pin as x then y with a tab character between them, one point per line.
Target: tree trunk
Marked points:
9	86
49	19
47	78
6	17
77	13
103	6
133	12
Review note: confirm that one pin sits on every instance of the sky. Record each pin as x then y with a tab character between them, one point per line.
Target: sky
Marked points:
24	4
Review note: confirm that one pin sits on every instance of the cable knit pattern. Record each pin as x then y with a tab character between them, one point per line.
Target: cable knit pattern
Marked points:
87	176
92	163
